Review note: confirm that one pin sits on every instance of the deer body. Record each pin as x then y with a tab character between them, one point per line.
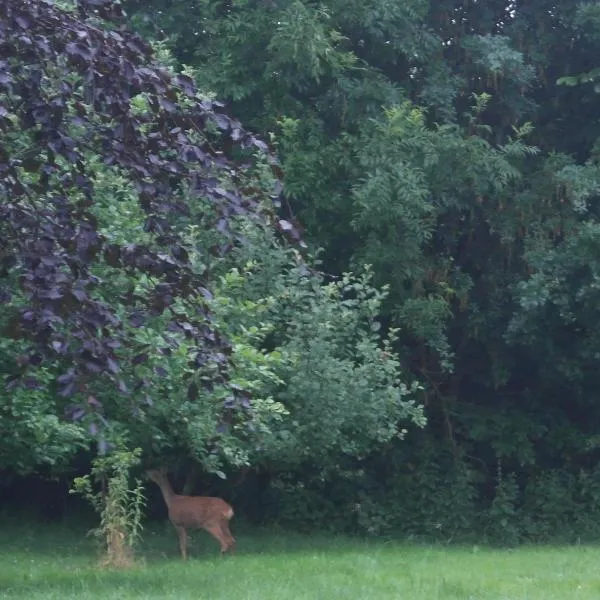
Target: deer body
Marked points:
195	512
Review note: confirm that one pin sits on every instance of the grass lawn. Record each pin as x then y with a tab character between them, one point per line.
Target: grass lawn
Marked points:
59	562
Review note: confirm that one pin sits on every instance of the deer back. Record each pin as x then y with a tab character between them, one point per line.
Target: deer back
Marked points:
198	511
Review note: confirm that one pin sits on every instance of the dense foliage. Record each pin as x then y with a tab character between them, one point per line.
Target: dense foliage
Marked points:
452	146
154	302
147	289
69	117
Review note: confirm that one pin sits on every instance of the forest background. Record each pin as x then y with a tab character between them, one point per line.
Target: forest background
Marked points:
423	363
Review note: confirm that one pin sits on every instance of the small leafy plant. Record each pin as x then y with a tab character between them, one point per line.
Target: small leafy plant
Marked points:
119	505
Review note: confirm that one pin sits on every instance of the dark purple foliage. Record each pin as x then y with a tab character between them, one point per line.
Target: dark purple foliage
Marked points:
67	82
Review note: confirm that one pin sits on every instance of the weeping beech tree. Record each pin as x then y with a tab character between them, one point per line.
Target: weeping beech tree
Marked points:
74	90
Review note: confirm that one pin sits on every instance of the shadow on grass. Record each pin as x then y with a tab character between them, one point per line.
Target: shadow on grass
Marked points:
71	539
61	561
58	561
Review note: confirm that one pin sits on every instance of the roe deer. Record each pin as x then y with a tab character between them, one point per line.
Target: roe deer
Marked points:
201	512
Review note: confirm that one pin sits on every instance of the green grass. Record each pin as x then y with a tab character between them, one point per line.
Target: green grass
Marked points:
52	562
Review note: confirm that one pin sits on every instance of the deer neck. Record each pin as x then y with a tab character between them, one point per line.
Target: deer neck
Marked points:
167	491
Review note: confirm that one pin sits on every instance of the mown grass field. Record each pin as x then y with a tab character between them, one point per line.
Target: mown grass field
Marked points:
53	562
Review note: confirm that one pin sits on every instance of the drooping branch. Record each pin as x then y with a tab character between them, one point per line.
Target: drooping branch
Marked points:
72	85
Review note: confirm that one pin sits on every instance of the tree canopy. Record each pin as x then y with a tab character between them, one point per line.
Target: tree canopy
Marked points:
452	147
441	161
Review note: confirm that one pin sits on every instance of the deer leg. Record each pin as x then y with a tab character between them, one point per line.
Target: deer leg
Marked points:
227	535
183	540
215	530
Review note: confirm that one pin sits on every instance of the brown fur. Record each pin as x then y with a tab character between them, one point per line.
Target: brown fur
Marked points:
195	512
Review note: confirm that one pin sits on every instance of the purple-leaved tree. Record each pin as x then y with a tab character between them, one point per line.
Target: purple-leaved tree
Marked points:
68	82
